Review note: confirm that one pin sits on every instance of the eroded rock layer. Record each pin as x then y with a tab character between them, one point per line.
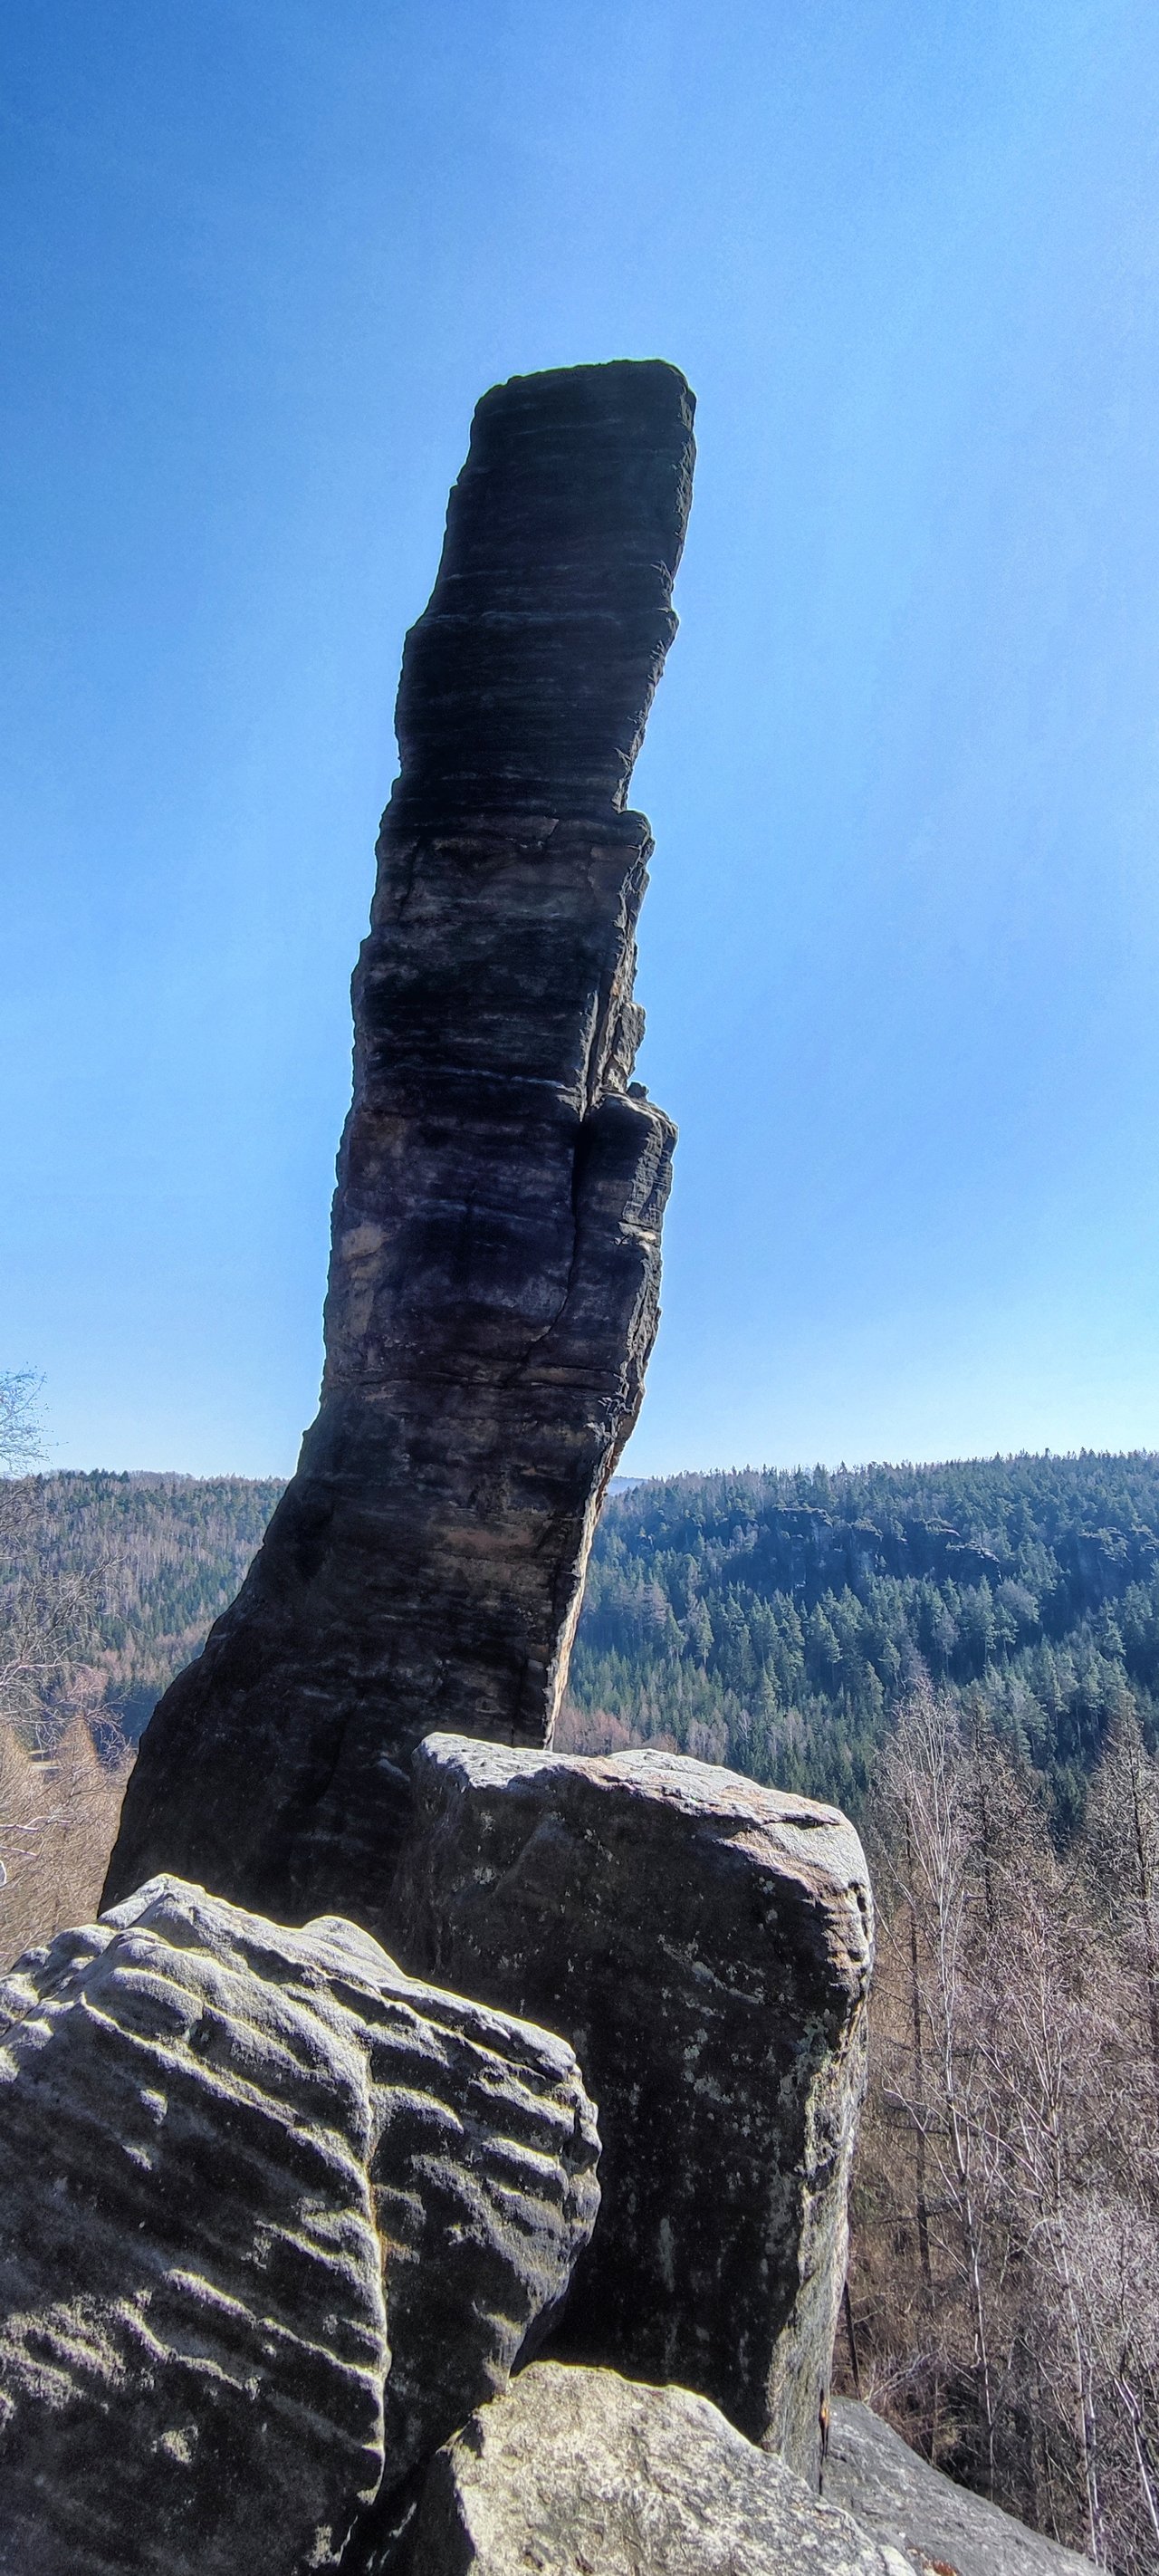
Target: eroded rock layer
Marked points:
705	1944
220	2142
191	2309
501	1183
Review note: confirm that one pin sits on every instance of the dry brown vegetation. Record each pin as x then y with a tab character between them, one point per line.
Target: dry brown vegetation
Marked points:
62	1766
58	1817
1005	2270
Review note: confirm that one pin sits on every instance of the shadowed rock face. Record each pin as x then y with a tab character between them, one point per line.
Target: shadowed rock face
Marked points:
705	1945
496	1244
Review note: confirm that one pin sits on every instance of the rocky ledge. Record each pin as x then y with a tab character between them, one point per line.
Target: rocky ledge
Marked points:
582	2473
932	2521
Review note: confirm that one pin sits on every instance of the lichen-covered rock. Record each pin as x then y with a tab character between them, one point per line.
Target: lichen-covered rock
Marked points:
215	2138
496	1246
705	1945
901	2500
580	2473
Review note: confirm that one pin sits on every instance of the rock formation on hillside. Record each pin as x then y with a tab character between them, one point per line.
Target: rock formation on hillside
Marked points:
220	2142
705	1945
501	1183
579	2469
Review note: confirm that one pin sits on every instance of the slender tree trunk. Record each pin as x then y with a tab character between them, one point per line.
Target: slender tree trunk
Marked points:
984	1820
1146	1905
919	2087
972	2246
1084	2411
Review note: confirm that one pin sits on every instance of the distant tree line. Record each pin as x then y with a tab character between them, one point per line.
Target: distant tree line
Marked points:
773	1621
158	1559
108	1585
777	1621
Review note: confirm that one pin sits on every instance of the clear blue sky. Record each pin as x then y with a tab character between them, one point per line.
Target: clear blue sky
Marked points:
899	956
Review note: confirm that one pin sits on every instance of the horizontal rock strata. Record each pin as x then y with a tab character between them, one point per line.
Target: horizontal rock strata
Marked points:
501	1183
217	2139
581	2470
901	2500
184	2176
705	1945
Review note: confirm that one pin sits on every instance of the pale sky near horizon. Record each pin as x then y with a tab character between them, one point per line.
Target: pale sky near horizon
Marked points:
257	261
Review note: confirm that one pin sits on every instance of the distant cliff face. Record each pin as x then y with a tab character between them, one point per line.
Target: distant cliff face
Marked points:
501	1183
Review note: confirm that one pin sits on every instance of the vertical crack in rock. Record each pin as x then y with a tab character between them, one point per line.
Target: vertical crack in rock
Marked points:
501	1184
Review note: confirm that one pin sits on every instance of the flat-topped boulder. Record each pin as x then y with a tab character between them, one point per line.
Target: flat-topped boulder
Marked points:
903	2502
705	1945
226	2151
580	2470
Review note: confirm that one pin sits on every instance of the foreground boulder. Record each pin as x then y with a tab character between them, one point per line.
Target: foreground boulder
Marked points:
496	1247
191	2307
901	2500
580	2473
705	1945
215	2135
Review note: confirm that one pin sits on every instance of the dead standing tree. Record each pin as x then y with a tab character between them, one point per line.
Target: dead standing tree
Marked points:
1012	2098
58	1799
930	1856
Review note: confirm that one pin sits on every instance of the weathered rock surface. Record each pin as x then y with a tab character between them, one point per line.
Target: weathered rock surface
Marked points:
901	2500
495	1264
190	2279
216	2137
705	1945
580	2473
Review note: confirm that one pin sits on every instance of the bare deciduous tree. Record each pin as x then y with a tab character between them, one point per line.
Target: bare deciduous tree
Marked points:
1006	2219
59	1797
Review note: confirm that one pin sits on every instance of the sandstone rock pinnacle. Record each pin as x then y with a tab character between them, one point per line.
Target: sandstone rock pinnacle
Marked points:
501	1183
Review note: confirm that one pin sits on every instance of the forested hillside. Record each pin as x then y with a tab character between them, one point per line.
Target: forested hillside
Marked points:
770	1620
147	1563
774	1620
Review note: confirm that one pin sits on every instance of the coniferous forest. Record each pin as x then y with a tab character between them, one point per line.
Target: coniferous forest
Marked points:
145	1564
771	1620
774	1621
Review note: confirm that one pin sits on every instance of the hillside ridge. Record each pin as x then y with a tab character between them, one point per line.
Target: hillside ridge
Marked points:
769	1618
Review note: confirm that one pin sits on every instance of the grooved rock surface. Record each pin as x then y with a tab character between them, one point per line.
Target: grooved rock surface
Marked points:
705	1945
581	2473
191	2306
900	2499
501	1184
216	2138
